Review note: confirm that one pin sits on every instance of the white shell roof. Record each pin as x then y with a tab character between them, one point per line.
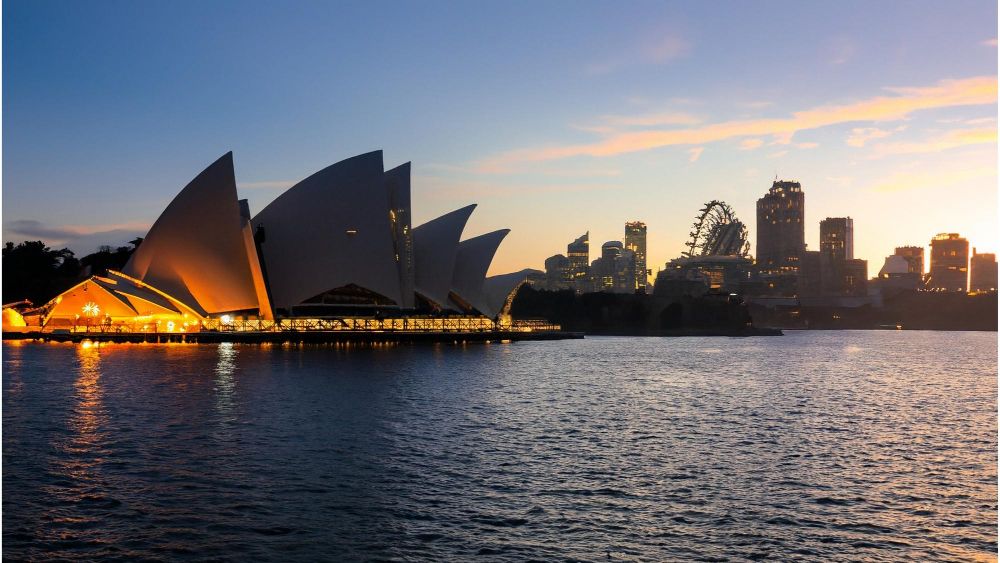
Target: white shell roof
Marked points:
435	247
194	252
471	264
330	230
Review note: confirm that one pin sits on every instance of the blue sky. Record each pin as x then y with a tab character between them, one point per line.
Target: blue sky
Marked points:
556	117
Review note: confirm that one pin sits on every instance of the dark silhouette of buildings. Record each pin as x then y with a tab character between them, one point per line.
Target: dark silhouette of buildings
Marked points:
635	241
949	263
983	272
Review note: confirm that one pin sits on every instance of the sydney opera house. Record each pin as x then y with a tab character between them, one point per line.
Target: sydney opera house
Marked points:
336	248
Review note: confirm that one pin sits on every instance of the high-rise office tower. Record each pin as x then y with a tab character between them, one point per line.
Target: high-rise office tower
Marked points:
781	228
914	256
949	263
635	240
836	238
578	253
557	273
983	271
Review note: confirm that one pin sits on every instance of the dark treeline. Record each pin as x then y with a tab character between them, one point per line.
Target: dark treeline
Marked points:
635	314
33	271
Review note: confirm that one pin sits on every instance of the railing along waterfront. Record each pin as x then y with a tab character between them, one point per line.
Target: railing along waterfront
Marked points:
457	324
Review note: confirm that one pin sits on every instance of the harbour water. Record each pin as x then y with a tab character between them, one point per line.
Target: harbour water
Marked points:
877	445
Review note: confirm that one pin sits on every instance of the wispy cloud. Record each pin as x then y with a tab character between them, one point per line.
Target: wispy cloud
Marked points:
778	154
928	178
979	90
657	50
451	189
651	120
949	140
990	43
750	144
841	50
861	135
806	145
80	239
695	153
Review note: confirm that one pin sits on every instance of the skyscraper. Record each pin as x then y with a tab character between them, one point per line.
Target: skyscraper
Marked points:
781	228
578	253
914	256
949	263
836	238
635	240
557	273
983	272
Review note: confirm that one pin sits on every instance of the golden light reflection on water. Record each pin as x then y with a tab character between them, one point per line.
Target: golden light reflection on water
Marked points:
225	382
84	449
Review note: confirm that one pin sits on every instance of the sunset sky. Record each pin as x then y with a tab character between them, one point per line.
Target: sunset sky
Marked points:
555	117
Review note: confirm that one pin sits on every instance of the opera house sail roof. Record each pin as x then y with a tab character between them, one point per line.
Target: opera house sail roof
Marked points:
340	240
195	251
436	248
330	231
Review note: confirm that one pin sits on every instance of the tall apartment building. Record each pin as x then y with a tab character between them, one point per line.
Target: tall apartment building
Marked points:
949	263
635	240
781	228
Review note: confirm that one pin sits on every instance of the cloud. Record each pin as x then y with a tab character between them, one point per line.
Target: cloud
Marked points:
778	154
979	90
695	154
921	179
666	49
861	135
657	51
651	120
806	145
949	140
989	43
841	50
81	240
750	144
463	190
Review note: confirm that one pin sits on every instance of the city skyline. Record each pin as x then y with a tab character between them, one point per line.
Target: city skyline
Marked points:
645	115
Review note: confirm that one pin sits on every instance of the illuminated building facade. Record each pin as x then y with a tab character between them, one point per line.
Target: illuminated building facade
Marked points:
949	269
982	272
781	229
338	243
635	241
578	253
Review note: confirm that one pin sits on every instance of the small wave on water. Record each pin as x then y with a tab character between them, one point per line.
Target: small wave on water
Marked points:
810	446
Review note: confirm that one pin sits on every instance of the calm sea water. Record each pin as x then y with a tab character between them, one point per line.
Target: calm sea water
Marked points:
815	445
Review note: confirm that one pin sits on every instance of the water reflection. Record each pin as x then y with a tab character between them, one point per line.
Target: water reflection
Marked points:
225	383
85	447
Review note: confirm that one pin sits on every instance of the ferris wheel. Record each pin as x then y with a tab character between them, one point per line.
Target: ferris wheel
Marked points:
717	232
